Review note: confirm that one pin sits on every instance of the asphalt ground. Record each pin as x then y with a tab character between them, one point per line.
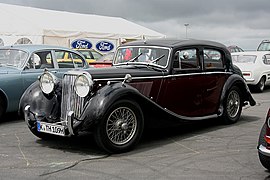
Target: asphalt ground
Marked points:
204	150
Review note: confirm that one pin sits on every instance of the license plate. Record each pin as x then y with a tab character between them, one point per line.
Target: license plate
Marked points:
50	128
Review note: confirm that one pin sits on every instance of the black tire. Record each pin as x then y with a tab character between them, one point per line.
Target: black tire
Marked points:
2	107
265	160
259	87
232	106
116	133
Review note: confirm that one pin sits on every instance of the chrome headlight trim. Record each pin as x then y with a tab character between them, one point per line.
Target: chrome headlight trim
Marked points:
47	82
83	84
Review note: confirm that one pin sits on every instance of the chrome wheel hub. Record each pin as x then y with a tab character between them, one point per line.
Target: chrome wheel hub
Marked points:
233	104
121	125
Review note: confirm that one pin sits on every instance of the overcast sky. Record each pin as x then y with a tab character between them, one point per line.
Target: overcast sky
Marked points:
232	22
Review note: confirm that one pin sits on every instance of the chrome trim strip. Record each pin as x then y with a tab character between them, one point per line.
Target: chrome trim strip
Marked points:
192	118
70	119
159	77
27	115
263	150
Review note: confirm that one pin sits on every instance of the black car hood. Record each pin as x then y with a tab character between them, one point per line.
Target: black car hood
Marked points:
121	71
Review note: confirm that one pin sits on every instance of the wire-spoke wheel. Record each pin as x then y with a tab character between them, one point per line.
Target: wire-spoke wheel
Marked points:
232	106
121	125
121	128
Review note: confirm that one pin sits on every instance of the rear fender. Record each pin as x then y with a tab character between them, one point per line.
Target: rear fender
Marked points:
237	80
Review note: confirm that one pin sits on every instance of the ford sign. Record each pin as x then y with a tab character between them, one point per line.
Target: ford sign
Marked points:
104	46
81	44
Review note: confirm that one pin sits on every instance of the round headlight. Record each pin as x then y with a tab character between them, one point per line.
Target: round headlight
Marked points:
47	82
83	85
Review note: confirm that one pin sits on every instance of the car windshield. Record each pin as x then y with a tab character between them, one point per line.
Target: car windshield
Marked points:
265	46
244	58
142	54
12	57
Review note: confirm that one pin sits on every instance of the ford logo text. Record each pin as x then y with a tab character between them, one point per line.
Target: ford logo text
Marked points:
104	46
81	44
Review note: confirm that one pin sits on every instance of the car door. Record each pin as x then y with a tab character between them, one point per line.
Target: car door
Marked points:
182	92
214	79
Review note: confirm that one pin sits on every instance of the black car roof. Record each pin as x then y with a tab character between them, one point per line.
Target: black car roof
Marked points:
171	43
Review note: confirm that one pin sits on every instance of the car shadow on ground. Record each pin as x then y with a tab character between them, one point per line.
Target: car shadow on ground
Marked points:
10	117
151	139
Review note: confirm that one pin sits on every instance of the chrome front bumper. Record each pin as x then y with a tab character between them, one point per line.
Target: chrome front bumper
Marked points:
263	150
68	123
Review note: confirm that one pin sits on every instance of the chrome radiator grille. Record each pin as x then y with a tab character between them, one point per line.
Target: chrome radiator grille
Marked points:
70	100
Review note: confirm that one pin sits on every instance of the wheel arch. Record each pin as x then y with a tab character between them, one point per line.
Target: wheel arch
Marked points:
107	96
235	80
3	96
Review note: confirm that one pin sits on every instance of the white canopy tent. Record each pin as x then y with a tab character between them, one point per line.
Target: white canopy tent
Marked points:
42	26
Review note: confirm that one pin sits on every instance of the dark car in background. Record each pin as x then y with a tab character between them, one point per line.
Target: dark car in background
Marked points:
264	143
20	66
151	83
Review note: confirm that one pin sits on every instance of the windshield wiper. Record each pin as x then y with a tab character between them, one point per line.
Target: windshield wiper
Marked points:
135	58
157	59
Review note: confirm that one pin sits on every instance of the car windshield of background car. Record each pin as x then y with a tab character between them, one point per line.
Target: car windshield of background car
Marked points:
244	58
9	57
264	46
142	55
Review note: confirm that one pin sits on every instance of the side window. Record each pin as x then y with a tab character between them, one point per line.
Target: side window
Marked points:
64	59
44	60
40	60
266	59
78	61
67	59
212	59
33	62
187	59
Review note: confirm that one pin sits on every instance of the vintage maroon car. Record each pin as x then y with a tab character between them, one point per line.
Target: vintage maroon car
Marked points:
264	143
159	81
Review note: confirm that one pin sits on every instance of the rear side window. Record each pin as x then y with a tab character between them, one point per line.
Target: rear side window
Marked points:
186	59
67	59
212	59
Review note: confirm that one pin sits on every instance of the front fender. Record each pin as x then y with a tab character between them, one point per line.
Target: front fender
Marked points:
100	102
43	105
